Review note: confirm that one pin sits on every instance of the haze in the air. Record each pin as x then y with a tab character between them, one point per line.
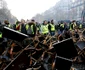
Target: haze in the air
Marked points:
28	8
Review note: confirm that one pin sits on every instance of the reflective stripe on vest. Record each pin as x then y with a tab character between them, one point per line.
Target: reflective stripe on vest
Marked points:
37	28
71	26
74	25
9	26
44	29
27	26
52	27
80	26
0	35
62	25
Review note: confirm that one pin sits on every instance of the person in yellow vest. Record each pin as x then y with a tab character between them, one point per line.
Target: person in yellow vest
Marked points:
16	26
21	26
62	27
44	28
74	24
52	28
30	28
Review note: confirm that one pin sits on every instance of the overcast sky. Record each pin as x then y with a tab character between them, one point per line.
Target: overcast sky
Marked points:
28	8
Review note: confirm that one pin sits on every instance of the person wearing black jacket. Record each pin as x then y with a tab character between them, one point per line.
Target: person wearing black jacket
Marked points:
23	29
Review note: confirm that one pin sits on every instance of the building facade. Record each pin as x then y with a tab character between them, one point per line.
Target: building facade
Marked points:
64	6
77	6
3	4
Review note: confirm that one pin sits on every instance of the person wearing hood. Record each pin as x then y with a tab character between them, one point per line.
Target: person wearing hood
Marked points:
7	24
30	29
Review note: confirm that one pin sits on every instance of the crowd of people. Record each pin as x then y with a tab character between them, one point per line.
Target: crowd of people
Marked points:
32	28
61	30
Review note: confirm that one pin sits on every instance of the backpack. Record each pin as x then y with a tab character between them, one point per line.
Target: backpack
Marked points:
29	31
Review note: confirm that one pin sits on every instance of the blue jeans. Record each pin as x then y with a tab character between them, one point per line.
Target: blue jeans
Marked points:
52	33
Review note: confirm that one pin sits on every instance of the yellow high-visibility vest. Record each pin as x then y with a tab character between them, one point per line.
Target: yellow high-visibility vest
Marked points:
52	27
0	35
44	29
62	25
71	27
80	26
27	27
